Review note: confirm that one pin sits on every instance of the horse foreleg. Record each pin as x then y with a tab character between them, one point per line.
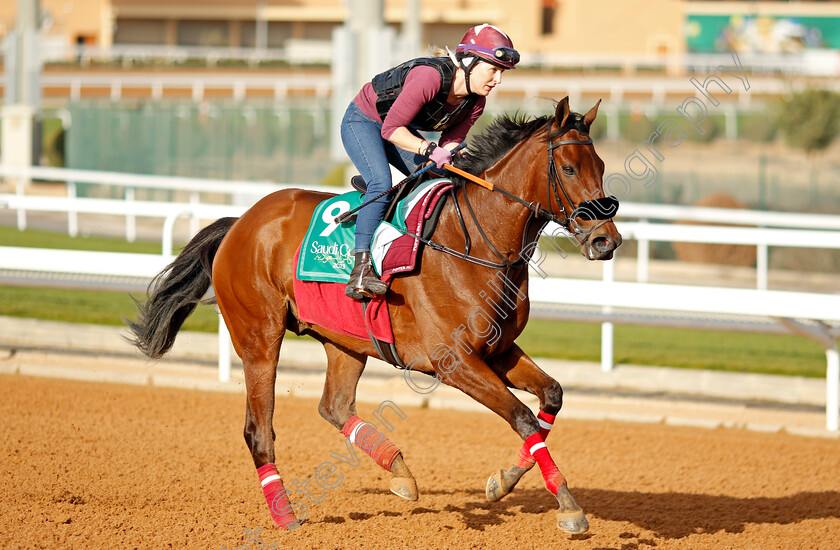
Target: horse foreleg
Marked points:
476	379
519	371
338	407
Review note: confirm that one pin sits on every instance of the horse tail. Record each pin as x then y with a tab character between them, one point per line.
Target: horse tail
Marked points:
174	292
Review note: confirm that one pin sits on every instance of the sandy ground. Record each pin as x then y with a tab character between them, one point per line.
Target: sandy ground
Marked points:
92	465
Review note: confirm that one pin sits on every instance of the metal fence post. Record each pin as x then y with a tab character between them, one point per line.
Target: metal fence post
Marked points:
72	215
607	340
832	398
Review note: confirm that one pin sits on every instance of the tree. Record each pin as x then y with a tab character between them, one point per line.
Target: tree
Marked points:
810	120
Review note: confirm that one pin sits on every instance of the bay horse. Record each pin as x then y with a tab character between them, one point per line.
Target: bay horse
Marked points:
249	262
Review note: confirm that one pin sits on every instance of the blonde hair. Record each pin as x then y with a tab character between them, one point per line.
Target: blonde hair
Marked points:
436	51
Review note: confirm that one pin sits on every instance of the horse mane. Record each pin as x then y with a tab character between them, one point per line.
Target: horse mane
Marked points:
506	131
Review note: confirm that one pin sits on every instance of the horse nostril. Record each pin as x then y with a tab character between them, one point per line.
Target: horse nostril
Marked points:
603	244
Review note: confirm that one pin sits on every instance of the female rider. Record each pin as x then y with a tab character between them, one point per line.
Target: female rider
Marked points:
382	125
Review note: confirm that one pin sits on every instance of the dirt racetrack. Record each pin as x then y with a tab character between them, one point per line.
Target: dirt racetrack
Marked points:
92	465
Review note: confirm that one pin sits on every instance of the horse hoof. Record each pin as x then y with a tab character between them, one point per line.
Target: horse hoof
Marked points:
573	523
405	487
495	489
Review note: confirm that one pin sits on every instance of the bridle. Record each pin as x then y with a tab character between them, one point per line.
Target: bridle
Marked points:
602	209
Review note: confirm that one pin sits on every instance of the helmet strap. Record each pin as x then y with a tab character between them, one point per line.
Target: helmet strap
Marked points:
467	68
467	75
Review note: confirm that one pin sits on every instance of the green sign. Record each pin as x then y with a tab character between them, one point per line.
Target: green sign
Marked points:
769	34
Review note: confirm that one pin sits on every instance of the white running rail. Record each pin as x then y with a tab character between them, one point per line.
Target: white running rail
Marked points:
779	229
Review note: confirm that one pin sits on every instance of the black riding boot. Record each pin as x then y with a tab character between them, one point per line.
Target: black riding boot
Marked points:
363	281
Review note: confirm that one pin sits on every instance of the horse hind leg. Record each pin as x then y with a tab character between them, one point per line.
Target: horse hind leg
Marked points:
257	334
260	368
338	407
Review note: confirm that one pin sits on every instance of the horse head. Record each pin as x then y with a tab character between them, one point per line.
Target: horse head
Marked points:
575	184
549	165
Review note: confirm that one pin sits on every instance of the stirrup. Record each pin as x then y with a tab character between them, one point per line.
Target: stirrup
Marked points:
352	292
362	277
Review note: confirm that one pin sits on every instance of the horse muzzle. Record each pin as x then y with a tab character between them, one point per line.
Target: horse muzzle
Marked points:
601	245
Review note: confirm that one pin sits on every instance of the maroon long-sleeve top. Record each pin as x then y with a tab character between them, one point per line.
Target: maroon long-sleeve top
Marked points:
422	83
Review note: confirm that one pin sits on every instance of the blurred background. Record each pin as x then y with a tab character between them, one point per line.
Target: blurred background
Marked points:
243	92
249	89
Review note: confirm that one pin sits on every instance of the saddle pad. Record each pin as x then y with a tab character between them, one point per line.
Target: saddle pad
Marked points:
324	304
326	253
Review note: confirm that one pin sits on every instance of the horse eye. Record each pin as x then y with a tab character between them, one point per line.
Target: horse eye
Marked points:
569	170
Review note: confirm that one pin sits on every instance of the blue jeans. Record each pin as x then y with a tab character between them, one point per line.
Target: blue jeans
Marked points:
372	155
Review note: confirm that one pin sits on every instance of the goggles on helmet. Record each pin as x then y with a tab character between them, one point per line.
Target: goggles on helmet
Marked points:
501	54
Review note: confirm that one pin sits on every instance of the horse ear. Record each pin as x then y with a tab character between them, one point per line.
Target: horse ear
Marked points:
561	116
589	117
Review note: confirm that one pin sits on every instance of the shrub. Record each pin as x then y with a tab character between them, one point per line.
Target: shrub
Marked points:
713	127
758	128
810	120
636	128
54	147
336	176
598	130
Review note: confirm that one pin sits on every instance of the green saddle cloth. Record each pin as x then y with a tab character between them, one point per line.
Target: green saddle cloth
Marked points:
326	253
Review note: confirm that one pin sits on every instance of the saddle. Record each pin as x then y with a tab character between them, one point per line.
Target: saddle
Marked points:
358	183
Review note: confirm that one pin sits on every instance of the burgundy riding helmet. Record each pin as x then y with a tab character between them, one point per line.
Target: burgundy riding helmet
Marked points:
490	44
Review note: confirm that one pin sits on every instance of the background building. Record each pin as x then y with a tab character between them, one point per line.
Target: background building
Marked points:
546	29
249	89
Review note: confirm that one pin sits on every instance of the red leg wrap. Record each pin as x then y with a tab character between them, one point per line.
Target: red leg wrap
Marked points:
551	474
525	458
366	437
275	497
546	422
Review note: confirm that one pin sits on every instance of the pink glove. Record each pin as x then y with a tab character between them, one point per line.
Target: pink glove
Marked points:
440	156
